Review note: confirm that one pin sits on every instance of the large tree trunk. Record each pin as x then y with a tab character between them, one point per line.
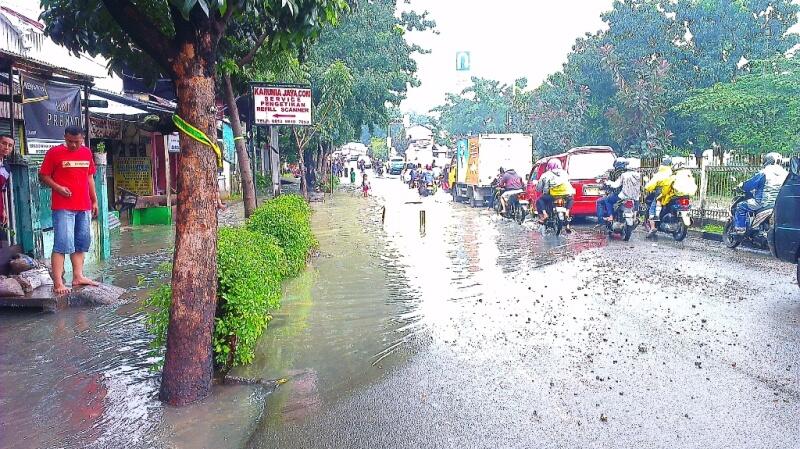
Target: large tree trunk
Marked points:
187	373
248	187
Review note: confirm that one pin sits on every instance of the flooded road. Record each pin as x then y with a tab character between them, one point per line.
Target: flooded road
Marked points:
471	332
512	339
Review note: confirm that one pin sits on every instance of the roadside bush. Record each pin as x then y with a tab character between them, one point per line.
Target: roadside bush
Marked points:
250	269
288	219
251	263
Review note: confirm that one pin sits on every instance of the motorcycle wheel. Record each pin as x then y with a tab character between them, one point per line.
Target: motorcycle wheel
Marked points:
627	231
519	214
681	233
558	224
497	206
731	240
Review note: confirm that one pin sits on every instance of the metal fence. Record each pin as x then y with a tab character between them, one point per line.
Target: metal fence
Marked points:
715	184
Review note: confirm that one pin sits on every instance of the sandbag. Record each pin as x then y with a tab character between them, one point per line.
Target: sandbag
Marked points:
10	287
21	263
34	279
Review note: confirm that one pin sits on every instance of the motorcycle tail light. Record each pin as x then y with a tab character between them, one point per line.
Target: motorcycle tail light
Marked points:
560	202
629	204
683	202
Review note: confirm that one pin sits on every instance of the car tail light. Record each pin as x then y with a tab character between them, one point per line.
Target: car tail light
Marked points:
684	202
629	204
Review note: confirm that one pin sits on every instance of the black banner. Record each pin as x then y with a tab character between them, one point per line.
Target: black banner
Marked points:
48	108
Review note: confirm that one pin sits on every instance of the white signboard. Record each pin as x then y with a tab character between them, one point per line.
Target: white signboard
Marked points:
280	105
174	143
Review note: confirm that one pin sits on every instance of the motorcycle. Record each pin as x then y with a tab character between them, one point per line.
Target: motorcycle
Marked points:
426	189
674	218
518	206
557	216
758	223
624	219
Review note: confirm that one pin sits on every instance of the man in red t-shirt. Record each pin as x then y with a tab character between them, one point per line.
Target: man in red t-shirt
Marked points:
68	169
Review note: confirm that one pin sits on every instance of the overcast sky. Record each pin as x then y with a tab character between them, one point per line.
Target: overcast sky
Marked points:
507	39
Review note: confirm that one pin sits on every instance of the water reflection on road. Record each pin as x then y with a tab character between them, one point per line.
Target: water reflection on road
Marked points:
383	290
377	293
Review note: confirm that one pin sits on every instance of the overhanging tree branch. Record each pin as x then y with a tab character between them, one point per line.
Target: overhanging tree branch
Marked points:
144	33
246	59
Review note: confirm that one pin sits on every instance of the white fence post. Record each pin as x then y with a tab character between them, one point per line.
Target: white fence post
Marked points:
703	191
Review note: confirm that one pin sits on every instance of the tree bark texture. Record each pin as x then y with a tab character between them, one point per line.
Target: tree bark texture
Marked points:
187	373
248	186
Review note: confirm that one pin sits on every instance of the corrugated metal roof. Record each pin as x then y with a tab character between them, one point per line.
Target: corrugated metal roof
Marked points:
37	67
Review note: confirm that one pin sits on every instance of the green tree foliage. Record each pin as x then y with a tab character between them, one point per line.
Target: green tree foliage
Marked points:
371	42
756	113
379	149
618	86
480	108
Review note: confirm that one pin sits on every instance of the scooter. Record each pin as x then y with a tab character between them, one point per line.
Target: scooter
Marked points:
674	218
758	223
624	219
518	206
557	217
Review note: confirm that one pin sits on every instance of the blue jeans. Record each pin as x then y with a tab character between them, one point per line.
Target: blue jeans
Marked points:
71	229
605	205
740	219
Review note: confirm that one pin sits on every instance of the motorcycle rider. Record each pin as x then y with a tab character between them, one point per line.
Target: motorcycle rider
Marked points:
511	184
554	182
627	186
764	187
653	189
625	183
681	183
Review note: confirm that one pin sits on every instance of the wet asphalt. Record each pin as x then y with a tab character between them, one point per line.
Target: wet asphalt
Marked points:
521	340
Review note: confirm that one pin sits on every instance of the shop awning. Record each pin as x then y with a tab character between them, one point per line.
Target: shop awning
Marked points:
146	107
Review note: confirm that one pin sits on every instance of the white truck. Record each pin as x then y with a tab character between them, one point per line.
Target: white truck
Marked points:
478	160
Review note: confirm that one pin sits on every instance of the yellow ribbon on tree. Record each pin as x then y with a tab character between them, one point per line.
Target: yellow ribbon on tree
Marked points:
197	135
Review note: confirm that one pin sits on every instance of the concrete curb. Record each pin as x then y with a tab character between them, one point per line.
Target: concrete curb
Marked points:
705	235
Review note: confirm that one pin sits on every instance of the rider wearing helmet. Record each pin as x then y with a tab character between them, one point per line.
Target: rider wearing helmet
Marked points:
661	179
554	182
627	186
764	186
511	184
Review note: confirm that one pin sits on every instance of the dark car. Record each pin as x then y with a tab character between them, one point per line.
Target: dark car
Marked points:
784	238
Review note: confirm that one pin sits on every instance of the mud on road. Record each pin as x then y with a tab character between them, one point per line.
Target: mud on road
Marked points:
520	340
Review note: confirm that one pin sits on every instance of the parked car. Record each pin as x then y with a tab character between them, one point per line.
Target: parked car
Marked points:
587	166
784	237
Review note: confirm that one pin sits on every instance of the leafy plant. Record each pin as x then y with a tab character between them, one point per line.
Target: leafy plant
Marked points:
287	218
250	266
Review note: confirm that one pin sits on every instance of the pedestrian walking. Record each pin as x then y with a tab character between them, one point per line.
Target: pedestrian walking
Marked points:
68	170
352	176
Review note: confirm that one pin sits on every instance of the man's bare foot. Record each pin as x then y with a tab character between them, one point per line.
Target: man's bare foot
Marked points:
82	280
60	289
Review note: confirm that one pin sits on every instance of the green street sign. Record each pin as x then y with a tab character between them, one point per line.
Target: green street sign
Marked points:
462	61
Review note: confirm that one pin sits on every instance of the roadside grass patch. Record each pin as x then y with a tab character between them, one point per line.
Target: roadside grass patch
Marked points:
252	261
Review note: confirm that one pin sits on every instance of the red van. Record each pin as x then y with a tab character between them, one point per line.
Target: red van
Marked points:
587	166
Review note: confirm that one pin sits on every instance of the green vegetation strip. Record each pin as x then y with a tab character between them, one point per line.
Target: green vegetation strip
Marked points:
252	261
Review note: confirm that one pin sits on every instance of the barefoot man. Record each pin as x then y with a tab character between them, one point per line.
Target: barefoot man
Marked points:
68	169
